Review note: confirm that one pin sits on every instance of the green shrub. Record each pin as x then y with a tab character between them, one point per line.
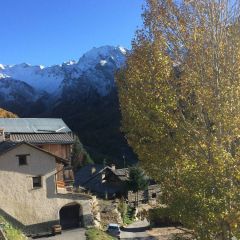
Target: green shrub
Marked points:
127	212
96	234
162	217
11	232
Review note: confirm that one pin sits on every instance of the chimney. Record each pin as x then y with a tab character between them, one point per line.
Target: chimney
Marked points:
113	167
2	135
93	170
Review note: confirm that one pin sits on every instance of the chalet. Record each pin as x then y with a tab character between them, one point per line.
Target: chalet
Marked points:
105	182
110	182
34	160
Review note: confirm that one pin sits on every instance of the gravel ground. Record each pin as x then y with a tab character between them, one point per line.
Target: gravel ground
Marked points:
140	231
168	233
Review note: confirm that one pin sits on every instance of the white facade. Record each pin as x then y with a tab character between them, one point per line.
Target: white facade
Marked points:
28	205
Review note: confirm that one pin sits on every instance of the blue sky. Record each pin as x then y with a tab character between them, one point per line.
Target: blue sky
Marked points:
53	31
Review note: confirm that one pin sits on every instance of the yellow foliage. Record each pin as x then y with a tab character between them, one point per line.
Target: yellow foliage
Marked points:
6	114
180	101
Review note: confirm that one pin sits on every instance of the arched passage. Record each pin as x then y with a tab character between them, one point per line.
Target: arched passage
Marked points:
71	216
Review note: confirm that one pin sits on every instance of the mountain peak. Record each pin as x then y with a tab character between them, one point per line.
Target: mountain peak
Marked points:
102	55
123	50
50	78
104	51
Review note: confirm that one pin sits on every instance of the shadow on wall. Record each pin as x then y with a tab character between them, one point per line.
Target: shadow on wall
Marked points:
29	230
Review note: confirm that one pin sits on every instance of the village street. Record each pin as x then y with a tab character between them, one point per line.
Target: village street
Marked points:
137	230
74	234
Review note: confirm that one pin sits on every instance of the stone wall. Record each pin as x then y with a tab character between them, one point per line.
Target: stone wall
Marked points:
150	195
154	193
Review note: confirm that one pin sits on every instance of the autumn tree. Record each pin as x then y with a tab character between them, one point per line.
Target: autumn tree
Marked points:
180	101
6	114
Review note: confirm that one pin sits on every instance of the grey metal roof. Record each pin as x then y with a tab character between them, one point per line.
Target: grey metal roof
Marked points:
42	138
33	125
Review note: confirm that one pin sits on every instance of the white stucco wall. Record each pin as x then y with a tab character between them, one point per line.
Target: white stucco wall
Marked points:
19	199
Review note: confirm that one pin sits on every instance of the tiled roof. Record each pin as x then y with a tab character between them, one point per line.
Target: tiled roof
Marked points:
33	125
42	138
121	173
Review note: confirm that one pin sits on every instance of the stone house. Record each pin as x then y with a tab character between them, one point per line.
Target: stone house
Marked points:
104	182
110	182
30	193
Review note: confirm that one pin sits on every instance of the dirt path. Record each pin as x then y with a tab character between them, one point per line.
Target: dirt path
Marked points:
168	233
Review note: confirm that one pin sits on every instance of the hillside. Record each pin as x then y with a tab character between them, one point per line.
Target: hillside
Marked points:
6	114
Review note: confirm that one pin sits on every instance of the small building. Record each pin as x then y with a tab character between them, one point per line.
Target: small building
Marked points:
101	181
35	191
110	182
150	195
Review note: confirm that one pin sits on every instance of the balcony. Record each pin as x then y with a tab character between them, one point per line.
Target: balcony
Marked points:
65	184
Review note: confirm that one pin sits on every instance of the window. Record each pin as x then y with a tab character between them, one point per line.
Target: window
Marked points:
22	159
37	182
154	195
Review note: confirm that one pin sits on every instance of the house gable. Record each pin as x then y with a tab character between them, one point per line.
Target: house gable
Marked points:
37	162
9	146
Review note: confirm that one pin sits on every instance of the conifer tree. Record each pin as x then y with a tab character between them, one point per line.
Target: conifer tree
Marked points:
80	157
137	181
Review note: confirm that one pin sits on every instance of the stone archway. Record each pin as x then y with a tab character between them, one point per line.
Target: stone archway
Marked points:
71	216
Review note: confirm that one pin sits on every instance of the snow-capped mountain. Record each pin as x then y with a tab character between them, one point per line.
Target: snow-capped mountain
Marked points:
81	92
93	72
89	67
39	77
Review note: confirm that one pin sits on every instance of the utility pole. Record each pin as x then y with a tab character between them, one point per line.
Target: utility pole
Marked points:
124	161
104	162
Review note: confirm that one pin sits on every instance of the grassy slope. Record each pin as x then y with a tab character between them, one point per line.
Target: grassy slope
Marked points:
11	232
96	234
